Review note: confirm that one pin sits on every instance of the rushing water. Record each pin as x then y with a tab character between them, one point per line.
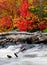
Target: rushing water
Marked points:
36	55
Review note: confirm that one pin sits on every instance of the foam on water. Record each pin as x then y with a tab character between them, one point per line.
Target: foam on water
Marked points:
33	56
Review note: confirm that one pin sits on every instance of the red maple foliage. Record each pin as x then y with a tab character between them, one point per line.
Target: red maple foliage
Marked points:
42	25
24	8
6	22
24	19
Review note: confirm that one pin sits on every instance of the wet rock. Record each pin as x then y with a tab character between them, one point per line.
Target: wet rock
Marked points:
3	45
9	56
29	40
43	41
15	54
23	49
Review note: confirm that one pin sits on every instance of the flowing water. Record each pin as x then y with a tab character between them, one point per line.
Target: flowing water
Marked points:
35	55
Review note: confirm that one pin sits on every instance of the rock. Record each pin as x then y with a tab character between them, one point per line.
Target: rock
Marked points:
9	56
43	41
29	40
21	37
15	54
23	49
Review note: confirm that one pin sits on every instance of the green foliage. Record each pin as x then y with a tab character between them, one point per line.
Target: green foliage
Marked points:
34	10
45	30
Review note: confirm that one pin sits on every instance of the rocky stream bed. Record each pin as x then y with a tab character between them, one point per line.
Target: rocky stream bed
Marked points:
23	48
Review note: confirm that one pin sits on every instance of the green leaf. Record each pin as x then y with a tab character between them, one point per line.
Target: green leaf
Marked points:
45	30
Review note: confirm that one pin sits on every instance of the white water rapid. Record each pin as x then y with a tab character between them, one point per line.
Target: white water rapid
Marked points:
36	55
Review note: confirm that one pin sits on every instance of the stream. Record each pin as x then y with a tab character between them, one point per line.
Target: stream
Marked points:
36	54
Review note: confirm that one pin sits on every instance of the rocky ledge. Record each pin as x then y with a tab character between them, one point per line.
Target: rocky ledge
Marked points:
36	37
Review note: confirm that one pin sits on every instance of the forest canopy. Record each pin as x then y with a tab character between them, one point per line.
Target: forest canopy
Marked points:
23	15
